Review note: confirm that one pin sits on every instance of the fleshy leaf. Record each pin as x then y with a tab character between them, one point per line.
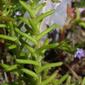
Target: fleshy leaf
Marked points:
24	61
29	72
50	65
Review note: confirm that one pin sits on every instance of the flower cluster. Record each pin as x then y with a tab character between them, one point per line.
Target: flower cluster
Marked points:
79	53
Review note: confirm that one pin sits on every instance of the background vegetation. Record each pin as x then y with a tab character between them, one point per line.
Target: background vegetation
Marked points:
25	60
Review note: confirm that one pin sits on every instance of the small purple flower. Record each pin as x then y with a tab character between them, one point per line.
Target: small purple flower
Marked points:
79	53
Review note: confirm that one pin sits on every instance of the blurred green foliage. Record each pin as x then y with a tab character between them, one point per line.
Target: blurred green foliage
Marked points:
26	48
